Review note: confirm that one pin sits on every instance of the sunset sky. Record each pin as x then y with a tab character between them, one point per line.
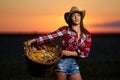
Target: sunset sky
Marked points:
27	16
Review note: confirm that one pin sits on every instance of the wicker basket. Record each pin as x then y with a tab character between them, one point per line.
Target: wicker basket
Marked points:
42	67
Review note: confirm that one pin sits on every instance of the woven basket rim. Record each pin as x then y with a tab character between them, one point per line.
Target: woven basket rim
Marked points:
28	57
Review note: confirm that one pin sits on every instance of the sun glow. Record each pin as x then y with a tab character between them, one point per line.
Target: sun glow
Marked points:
47	16
87	21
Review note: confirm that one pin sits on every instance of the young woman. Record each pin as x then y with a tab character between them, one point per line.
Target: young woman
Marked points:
76	41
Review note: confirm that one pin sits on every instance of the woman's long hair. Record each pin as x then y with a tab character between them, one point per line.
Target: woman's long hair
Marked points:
82	28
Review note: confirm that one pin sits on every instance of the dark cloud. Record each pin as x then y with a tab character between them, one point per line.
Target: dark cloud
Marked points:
108	24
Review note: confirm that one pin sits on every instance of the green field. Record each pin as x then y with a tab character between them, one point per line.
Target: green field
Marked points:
90	70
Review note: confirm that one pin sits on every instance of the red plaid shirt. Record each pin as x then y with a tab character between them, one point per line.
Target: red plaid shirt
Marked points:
69	40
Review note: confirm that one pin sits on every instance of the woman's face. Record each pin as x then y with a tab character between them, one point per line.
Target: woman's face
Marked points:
76	18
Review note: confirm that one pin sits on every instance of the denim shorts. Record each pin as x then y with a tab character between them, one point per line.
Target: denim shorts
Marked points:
67	65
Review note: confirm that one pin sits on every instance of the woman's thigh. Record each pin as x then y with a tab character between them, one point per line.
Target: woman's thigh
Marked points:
75	77
60	76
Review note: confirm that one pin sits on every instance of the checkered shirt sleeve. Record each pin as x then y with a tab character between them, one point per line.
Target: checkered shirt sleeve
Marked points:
51	36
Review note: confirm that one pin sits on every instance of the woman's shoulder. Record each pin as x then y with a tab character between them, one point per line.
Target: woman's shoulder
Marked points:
87	33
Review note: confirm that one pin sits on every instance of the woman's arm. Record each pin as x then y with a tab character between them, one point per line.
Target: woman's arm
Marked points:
48	37
69	53
51	36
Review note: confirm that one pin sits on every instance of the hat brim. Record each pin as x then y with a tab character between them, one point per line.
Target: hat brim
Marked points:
68	14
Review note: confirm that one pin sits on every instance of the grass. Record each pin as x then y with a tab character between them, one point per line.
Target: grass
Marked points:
90	70
107	70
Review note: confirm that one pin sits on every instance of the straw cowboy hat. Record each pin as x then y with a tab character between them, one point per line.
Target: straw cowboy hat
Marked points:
73	10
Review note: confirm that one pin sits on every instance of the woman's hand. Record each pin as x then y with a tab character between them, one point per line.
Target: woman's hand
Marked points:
69	53
29	42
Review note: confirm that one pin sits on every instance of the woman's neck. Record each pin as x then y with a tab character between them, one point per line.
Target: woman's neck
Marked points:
76	28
